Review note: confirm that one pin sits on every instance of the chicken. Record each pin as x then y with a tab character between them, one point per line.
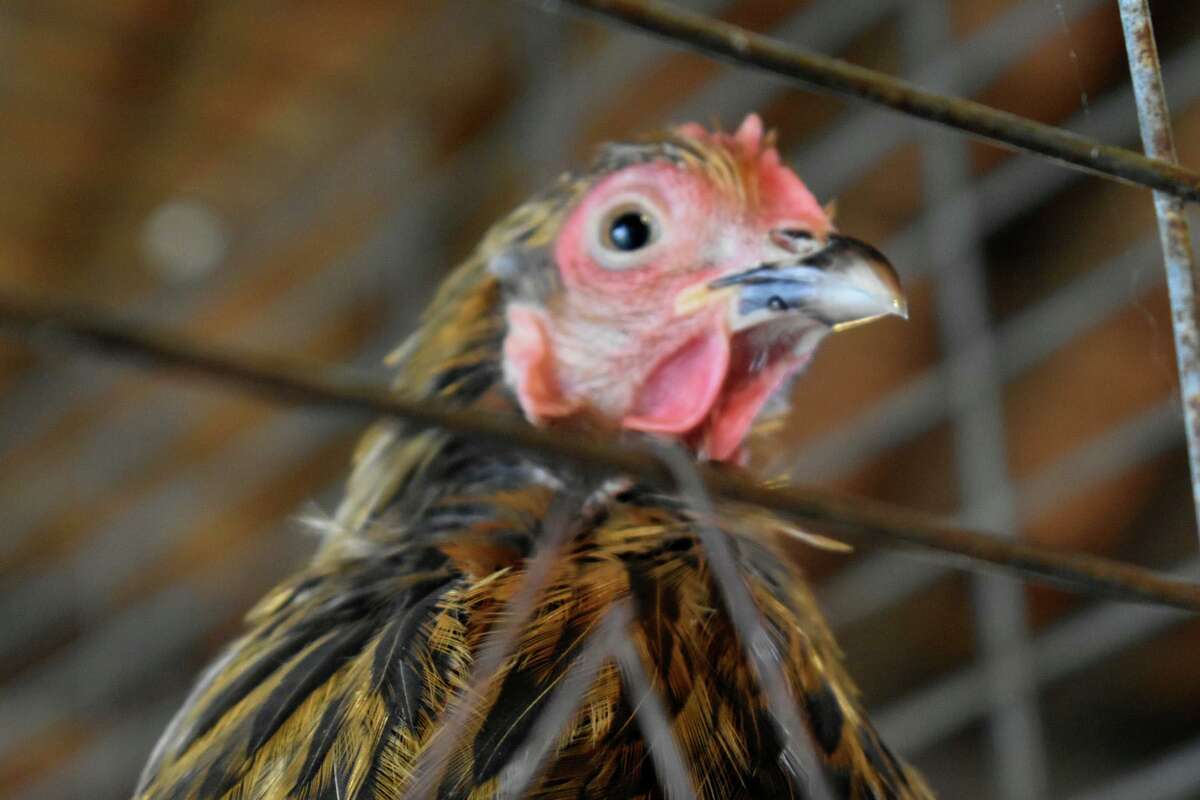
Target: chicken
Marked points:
671	290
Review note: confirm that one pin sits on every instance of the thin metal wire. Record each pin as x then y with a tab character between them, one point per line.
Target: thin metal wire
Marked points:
929	715
824	27
882	580
748	49
673	774
857	518
526	765
1031	335
1155	121
849	148
499	647
804	767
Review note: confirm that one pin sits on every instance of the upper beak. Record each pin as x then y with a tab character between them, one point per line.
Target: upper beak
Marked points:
844	283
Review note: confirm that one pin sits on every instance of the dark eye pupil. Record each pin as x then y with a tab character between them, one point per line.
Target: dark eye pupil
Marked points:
630	231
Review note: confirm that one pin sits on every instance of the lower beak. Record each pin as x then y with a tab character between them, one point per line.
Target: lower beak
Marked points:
846	283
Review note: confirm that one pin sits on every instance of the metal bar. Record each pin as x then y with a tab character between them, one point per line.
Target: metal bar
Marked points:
927	716
862	519
674	777
881	579
569	693
1000	196
430	765
856	142
1155	121
746	48
981	460
824	27
804	767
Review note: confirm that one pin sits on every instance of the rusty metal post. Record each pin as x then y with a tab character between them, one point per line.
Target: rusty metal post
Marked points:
1155	121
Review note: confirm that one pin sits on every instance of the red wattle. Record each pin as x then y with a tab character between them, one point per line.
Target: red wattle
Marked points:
682	387
739	406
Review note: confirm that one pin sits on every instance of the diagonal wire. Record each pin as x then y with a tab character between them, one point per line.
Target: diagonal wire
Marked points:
802	764
498	648
824	27
526	765
1001	196
849	148
880	581
929	715
304	383
748	49
669	763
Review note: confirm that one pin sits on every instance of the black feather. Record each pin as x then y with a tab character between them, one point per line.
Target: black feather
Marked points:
402	681
237	689
323	738
510	720
316	667
825	716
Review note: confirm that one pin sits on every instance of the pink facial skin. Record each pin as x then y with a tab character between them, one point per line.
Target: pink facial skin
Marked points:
612	343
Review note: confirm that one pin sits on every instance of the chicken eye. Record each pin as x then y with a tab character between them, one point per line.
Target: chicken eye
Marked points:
625	235
625	230
630	231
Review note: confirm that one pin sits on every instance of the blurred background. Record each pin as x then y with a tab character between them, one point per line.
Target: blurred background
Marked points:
296	177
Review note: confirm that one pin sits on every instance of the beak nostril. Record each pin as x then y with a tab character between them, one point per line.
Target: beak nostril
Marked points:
793	240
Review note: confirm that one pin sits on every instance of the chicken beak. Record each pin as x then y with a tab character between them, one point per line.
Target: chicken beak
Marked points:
843	284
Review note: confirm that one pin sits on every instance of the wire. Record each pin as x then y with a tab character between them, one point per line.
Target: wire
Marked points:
754	50
861	519
1154	119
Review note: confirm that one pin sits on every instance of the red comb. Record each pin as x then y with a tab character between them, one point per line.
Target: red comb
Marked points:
781	190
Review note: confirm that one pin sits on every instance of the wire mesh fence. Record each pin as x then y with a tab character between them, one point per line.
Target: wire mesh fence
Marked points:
1013	661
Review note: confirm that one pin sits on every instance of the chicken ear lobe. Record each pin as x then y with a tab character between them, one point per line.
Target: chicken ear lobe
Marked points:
683	387
529	367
